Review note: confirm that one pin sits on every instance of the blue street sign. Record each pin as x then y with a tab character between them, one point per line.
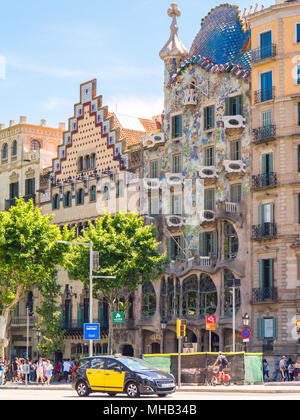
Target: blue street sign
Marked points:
91	332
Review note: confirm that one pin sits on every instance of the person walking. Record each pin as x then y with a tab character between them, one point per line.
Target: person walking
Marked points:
283	368
266	370
290	370
2	371
40	367
66	369
297	370
57	371
48	371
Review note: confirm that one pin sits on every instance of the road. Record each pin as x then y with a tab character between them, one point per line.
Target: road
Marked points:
43	394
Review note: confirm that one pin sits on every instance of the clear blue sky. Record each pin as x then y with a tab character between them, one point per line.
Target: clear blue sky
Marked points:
52	47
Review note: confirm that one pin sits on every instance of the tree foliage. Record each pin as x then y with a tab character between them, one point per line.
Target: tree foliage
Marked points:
28	252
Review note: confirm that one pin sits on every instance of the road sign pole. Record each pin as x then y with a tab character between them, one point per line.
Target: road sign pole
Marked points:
233	319
210	341
91	296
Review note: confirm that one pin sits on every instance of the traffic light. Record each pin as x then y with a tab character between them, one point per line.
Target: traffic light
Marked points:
181	327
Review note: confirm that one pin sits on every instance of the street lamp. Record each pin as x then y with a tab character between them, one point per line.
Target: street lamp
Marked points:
245	319
163	324
90	244
233	284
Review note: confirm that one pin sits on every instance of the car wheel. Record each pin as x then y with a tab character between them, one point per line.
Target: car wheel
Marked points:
112	394
82	389
132	390
163	395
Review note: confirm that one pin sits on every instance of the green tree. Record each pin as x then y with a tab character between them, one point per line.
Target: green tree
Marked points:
127	250
28	254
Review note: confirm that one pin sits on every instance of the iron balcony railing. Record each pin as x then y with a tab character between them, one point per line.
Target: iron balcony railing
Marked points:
76	324
12	201
18	321
264	95
264	180
264	133
264	294
264	52
264	230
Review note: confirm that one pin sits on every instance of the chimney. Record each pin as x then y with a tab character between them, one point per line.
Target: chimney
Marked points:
11	123
43	123
23	120
62	126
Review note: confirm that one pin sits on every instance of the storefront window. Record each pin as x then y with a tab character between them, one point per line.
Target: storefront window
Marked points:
208	296
189	297
148	301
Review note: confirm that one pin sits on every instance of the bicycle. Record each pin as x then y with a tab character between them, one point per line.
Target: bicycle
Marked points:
226	380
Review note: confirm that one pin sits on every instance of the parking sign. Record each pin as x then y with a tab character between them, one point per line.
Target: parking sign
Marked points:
91	332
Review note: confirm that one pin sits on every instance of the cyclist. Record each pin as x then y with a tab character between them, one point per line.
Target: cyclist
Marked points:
222	362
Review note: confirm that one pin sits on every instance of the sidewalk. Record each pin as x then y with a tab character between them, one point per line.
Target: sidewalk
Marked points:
269	387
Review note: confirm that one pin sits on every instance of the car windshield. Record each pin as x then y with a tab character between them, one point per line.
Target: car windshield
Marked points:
137	364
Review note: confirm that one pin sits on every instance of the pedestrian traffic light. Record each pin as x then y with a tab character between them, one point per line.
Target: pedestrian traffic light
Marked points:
181	327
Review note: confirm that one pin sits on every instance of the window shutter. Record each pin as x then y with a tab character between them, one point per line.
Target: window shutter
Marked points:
202	245
260	329
169	248
227	106
271	273
275	328
260	214
79	315
179	125
261	274
65	200
240	105
215	244
173	127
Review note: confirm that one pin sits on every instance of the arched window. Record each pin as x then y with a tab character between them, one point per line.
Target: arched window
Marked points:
87	163
93	161
80	164
189	297
5	151
55	202
93	193
68	199
163	299
148	300
231	241
106	192
80	196
35	145
14	148
208	296
228	303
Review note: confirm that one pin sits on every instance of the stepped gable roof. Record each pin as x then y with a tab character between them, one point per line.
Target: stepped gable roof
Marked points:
223	38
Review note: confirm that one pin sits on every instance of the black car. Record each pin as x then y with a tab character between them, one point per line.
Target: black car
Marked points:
120	374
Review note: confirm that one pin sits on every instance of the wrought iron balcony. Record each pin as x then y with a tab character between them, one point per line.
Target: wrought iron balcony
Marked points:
265	230
76	324
264	180
264	294
264	95
21	321
12	201
261	134
265	52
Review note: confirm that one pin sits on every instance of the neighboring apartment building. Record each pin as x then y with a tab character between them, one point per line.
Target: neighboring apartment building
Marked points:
197	185
275	249
26	151
96	171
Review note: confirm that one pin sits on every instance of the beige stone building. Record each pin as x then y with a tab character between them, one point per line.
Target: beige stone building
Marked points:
96	171
27	151
275	251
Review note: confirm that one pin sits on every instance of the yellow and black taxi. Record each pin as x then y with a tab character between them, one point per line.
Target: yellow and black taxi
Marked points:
121	374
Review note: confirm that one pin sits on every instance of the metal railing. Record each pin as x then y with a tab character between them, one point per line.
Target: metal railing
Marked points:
264	180
264	52
18	321
264	95
264	230
12	201
264	294
264	133
76	324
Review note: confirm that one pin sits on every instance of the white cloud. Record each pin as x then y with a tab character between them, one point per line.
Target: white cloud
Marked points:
145	107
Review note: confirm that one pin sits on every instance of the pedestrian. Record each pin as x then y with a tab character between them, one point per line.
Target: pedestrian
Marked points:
57	371
48	371
40	368
14	370
283	368
2	371
277	373
297	370
66	369
76	366
290	370
266	370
